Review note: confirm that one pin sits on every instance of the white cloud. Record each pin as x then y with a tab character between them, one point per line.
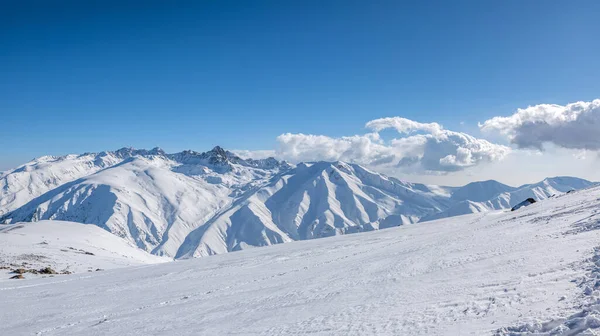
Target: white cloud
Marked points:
254	154
403	125
432	150
574	126
306	147
428	153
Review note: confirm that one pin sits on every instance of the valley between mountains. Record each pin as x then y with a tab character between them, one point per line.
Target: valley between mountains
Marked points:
192	204
88	243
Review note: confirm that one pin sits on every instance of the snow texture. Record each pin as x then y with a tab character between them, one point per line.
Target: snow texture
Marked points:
192	204
533	271
65	247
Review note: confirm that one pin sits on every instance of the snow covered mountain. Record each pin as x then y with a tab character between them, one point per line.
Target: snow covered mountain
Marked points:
530	272
20	185
192	204
500	196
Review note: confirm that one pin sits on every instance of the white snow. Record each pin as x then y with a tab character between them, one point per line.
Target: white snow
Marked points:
65	246
22	184
193	204
528	272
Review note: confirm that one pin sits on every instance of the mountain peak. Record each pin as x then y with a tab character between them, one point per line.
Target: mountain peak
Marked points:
214	202
480	191
126	152
219	156
156	151
218	150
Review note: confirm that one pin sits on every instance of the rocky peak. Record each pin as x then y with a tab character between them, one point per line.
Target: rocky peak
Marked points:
127	152
156	151
219	156
218	150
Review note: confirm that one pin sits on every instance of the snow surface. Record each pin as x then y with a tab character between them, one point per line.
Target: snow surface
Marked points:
20	185
192	204
500	196
533	271
65	246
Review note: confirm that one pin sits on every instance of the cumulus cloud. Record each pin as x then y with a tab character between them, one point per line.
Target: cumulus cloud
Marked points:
573	126
403	125
254	154
421	147
307	147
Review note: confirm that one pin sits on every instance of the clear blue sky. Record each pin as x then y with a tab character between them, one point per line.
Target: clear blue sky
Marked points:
79	76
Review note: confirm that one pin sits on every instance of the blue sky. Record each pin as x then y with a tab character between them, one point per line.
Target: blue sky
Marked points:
81	76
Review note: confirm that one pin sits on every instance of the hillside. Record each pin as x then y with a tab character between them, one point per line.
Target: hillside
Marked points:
192	204
528	272
505	197
66	248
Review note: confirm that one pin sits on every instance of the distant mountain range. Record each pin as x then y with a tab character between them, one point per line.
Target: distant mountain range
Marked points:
192	204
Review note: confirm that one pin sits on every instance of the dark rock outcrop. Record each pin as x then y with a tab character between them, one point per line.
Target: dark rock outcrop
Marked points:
525	203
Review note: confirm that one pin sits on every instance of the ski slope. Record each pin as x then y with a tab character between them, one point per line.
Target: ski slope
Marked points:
65	247
528	272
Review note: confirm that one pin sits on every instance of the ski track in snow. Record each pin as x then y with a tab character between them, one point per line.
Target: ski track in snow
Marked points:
526	272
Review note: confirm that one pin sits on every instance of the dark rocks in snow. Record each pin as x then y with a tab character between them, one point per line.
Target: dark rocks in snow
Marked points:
156	151
78	251
218	156
218	151
525	203
18	276
221	160
47	270
23	271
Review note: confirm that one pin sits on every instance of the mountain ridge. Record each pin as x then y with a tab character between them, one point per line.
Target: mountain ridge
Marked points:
526	273
192	204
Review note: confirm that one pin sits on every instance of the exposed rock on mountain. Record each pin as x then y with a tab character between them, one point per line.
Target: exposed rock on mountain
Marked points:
192	204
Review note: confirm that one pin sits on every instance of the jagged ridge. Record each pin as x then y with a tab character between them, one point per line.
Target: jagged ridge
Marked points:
192	204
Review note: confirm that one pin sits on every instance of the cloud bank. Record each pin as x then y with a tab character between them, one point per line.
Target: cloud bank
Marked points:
545	140
573	126
420	148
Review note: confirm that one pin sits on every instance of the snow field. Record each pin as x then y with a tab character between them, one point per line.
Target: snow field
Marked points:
479	274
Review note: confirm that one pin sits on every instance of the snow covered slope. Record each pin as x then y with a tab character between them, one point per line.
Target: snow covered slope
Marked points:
499	196
528	272
313	201
22	184
154	200
480	191
65	247
193	204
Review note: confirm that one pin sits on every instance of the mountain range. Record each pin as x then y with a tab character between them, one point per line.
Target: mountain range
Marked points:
193	204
